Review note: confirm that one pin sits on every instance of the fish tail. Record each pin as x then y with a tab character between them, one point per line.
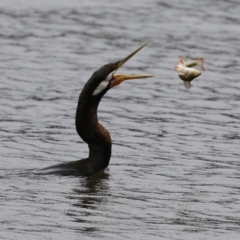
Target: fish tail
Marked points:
200	63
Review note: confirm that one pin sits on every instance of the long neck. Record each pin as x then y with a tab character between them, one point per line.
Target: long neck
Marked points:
93	133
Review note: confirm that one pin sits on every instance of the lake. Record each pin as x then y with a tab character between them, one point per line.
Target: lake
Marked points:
175	166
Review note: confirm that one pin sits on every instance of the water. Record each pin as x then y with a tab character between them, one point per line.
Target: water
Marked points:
174	171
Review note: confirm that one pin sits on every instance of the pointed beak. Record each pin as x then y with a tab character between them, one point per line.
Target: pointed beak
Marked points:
119	78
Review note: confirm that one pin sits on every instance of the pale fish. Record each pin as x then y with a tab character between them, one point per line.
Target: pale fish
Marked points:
187	73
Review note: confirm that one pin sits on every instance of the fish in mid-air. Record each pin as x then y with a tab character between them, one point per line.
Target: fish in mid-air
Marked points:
186	71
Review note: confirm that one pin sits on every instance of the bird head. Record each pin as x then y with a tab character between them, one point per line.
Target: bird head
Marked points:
106	77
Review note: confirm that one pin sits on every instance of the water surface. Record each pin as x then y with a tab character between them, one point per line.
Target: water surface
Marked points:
174	171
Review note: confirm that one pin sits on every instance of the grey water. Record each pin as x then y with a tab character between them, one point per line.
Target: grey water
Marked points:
175	166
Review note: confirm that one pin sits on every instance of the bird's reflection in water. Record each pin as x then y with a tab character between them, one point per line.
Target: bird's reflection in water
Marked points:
94	184
91	197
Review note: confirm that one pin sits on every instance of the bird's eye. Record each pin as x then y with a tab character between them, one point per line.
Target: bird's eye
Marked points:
103	85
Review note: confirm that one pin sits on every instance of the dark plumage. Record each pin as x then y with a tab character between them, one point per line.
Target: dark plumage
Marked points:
87	125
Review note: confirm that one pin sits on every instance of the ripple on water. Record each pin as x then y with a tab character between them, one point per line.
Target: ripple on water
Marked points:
174	169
